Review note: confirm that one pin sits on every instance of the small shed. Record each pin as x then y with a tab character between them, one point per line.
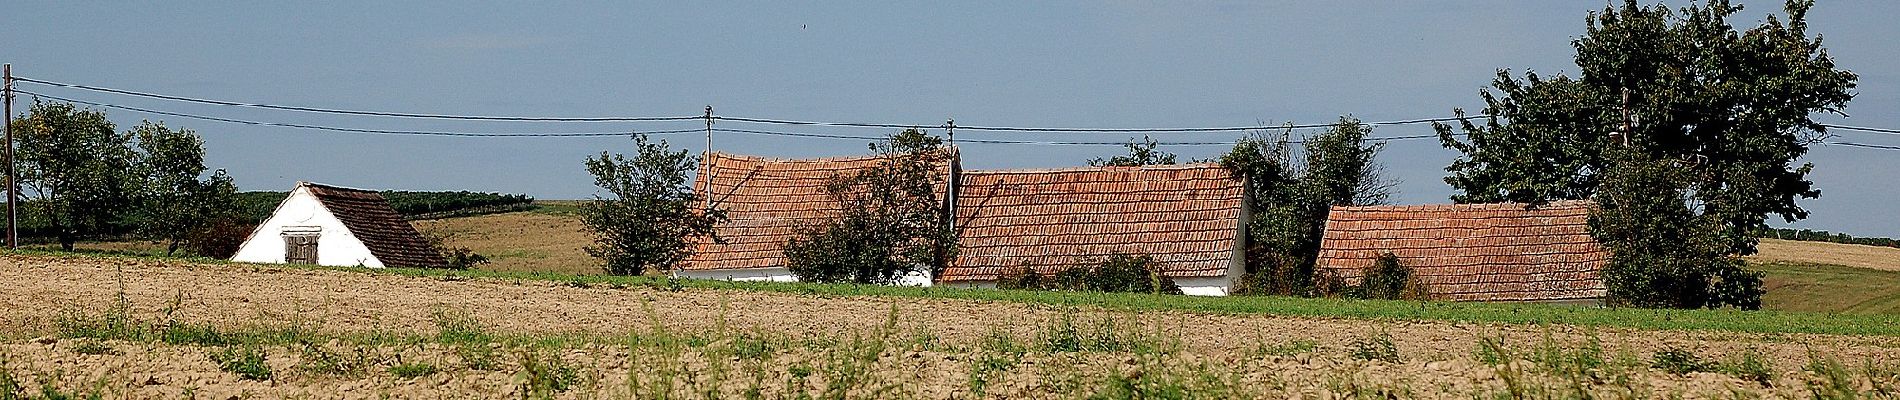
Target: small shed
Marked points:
1475	252
1189	217
766	200
337	226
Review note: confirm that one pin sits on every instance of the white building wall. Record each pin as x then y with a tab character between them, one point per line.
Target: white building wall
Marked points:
741	275
336	245
1209	286
779	274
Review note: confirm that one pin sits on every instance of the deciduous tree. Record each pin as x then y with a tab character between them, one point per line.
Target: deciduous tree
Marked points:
891	220
653	215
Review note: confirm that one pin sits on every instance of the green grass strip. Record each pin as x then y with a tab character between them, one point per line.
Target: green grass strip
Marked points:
1723	320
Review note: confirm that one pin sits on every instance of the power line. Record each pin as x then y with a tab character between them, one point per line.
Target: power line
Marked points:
1858	128
352	112
1032	142
1864	145
1090	130
353	130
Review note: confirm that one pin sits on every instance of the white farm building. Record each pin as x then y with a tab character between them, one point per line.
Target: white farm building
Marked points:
337	226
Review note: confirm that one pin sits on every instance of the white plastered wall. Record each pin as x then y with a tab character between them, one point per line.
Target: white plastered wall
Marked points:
1207	286
779	274
336	245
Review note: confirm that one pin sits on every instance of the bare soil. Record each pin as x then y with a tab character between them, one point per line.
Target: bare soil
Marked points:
932	352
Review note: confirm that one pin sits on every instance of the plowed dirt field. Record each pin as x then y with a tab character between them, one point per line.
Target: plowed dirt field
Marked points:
150	329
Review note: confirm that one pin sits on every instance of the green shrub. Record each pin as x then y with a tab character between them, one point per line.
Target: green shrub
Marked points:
546	373
1375	347
94	347
1751	366
1390	280
1680	361
245	361
412	370
890	219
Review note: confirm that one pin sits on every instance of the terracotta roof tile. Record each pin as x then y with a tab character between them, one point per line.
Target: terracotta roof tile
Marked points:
765	200
1478	252
1186	216
368	216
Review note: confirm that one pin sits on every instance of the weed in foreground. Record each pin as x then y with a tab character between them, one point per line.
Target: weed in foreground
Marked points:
1831	379
997	352
1751	366
545	374
1680	361
1287	349
1375	347
245	361
320	359
457	326
94	348
411	370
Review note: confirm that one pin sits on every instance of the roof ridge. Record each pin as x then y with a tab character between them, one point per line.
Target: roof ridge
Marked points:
747	157
1166	167
335	187
1559	204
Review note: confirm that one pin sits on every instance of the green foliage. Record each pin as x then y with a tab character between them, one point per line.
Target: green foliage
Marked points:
1680	361
654	216
95	348
891	219
1118	273
1375	347
84	180
1287	349
412	370
246	361
1663	253
1825	236
75	170
1290	193
544	374
1728	110
1750	365
1387	279
1139	154
424	205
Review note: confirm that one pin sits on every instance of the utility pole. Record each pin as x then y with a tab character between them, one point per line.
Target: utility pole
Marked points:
1626	117
13	188
954	164
706	158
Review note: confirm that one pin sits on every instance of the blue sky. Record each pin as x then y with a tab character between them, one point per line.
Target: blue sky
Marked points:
1046	64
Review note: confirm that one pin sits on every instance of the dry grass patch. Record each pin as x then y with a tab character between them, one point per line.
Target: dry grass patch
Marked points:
521	241
1852	255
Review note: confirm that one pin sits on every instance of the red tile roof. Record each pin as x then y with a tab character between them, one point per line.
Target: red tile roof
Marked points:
1186	216
387	235
1476	252
765	200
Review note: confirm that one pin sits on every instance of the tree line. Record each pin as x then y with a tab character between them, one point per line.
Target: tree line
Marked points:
1684	130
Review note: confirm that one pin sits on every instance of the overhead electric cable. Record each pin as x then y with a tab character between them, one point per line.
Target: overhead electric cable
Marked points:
1031	142
353	112
1858	128
355	130
1089	130
1864	145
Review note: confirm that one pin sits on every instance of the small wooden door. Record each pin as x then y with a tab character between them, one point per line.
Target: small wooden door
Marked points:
300	249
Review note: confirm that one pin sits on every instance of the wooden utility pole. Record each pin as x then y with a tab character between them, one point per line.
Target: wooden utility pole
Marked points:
706	158
13	188
1626	118
950	188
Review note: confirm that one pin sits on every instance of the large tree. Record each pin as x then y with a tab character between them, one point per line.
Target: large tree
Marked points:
1292	191
653	216
1730	109
75	169
177	201
891	220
